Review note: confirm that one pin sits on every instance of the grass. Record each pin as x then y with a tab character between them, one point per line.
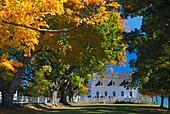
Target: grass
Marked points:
81	108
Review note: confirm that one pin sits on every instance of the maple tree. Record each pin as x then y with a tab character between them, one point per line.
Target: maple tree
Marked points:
82	53
26	26
58	77
29	16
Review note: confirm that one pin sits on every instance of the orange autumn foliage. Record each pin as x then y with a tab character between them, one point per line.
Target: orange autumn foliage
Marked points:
23	20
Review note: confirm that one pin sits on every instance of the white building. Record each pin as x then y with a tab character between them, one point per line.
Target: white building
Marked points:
112	86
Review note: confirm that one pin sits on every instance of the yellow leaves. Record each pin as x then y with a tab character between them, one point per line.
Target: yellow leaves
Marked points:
9	64
111	69
15	63
102	9
24	36
122	64
34	41
95	1
70	48
114	4
7	2
27	52
124	53
69	11
30	12
33	13
5	56
3	14
106	63
63	1
77	4
47	68
124	58
112	62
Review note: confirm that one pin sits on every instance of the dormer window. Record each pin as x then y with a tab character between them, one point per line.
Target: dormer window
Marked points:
112	83
99	83
124	82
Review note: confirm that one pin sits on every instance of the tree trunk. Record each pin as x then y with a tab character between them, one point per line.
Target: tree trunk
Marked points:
64	96
2	97
53	98
71	93
7	99
75	93
169	103
156	100
53	92
153	100
8	88
71	99
162	101
63	90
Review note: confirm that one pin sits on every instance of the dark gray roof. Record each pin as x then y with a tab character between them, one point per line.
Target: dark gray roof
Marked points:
117	78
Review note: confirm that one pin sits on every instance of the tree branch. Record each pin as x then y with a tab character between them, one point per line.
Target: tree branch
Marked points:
43	30
70	70
60	30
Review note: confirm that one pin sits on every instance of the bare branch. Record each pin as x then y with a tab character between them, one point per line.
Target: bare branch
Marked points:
87	7
44	30
70	70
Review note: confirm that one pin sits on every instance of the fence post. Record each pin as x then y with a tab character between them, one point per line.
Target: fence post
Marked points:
45	99
38	100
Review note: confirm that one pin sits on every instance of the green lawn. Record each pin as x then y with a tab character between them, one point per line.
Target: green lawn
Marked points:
95	109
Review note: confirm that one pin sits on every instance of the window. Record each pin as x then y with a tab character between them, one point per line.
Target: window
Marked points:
97	94
101	83
131	93
123	83
122	94
113	83
105	93
114	93
98	83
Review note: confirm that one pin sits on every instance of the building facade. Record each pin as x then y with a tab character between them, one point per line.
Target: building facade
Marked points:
112	86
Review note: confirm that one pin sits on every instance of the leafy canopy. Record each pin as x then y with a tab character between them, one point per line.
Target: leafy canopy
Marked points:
150	44
23	21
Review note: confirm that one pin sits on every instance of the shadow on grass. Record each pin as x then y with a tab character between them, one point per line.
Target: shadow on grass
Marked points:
119	105
100	109
94	109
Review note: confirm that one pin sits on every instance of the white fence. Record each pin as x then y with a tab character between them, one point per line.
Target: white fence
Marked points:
30	99
115	99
